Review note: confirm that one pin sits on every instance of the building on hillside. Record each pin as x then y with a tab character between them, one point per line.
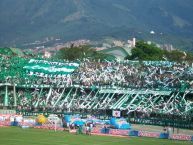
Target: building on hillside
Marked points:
118	43
46	54
99	48
131	43
168	47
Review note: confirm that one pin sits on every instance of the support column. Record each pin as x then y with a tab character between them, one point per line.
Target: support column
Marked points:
14	96
6	97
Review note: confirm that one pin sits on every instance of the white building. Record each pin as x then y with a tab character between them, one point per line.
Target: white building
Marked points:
131	43
47	54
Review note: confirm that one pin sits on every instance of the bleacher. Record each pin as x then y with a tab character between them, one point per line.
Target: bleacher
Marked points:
32	84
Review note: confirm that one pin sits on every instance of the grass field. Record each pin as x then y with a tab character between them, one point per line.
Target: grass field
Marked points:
18	136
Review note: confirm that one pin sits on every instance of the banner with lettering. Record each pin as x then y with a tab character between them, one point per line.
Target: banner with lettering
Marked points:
118	132
96	130
4	123
180	137
149	134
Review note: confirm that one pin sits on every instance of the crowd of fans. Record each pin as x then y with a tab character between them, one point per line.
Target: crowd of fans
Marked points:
56	92
138	75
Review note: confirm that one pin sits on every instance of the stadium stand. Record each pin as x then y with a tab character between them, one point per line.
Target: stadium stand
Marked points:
159	87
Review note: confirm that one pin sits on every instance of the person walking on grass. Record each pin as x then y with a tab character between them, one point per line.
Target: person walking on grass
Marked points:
90	128
87	129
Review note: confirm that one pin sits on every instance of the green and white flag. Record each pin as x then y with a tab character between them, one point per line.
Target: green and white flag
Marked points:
50	68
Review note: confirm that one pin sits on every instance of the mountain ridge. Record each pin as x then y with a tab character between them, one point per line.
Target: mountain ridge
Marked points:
24	21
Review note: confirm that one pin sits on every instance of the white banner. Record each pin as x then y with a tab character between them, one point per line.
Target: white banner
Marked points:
53	68
116	114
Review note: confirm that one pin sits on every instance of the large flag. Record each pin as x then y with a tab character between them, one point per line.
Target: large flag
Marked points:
50	68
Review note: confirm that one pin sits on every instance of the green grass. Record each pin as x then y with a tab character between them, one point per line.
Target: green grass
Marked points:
18	136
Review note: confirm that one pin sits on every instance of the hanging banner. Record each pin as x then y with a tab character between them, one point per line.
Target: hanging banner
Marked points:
44	67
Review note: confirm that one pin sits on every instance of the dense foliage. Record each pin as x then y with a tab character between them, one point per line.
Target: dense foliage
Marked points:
80	53
145	51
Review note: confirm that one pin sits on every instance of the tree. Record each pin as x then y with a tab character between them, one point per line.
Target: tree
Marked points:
144	51
175	55
189	57
79	53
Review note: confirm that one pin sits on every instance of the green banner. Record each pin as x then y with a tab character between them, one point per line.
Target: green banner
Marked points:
51	68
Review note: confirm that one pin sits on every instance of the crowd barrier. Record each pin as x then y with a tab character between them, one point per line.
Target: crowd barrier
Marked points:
49	127
180	137
147	134
96	130
118	132
4	123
